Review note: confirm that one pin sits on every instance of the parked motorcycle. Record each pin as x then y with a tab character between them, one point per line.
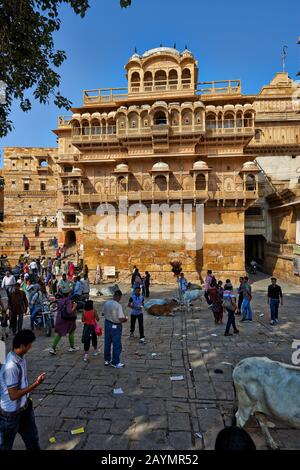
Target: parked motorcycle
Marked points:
253	268
44	319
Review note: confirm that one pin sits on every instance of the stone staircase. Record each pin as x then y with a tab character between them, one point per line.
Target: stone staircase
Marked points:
11	235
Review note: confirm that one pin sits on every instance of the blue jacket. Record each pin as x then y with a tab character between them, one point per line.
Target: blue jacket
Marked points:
137	302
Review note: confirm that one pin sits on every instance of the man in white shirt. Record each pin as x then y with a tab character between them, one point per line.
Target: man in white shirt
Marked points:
8	282
16	411
114	317
33	267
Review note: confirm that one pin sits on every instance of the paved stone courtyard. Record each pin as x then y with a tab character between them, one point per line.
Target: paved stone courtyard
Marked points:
155	413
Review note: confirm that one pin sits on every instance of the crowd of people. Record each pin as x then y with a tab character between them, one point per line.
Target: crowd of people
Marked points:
222	298
41	281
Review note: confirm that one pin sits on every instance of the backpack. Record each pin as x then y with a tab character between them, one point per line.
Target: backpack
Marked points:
227	303
65	315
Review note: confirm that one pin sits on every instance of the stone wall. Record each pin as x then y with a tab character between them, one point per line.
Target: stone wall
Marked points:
223	250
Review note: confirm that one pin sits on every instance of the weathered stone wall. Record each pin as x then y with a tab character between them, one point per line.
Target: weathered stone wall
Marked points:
223	250
281	252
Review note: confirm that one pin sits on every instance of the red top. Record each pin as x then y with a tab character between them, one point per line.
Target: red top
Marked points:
89	317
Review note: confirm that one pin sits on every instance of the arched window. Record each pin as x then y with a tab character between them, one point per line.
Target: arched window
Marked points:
135	82
248	120
187	118
228	120
122	121
160	118
198	117
122	184
74	187
145	119
160	80
173	79
95	127
174	118
239	119
133	120
148	81
186	78
111	126
211	121
75	128
200	182
250	183
161	183
85	127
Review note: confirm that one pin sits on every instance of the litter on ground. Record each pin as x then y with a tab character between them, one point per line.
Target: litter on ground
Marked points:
77	431
176	377
118	391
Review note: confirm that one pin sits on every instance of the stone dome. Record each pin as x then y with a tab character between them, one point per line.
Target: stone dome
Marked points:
200	165
187	52
160	166
249	166
157	50
135	56
122	167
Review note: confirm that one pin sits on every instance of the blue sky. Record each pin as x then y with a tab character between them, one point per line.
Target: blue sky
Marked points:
231	40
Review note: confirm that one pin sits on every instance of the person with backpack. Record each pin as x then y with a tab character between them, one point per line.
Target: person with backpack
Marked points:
65	323
16	410
229	303
89	318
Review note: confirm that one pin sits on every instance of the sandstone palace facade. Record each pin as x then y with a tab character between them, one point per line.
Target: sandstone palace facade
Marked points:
166	139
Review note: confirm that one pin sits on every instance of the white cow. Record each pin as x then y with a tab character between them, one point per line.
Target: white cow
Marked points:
190	296
267	388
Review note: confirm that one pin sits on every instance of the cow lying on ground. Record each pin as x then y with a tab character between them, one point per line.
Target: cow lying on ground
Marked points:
161	307
267	388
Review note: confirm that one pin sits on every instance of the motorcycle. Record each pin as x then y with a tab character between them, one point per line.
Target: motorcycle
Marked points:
44	319
253	268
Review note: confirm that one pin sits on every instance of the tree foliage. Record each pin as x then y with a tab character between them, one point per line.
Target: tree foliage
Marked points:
28	58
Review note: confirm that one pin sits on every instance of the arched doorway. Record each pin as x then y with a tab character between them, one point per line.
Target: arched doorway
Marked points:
70	238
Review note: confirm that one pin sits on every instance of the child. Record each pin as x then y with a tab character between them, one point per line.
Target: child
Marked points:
89	318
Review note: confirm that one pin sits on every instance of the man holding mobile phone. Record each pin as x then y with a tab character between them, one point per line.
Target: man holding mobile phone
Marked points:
16	411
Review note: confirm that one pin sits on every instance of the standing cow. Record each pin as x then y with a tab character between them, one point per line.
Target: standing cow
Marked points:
267	388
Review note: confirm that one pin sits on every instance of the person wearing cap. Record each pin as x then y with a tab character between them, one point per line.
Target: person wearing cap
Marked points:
274	299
